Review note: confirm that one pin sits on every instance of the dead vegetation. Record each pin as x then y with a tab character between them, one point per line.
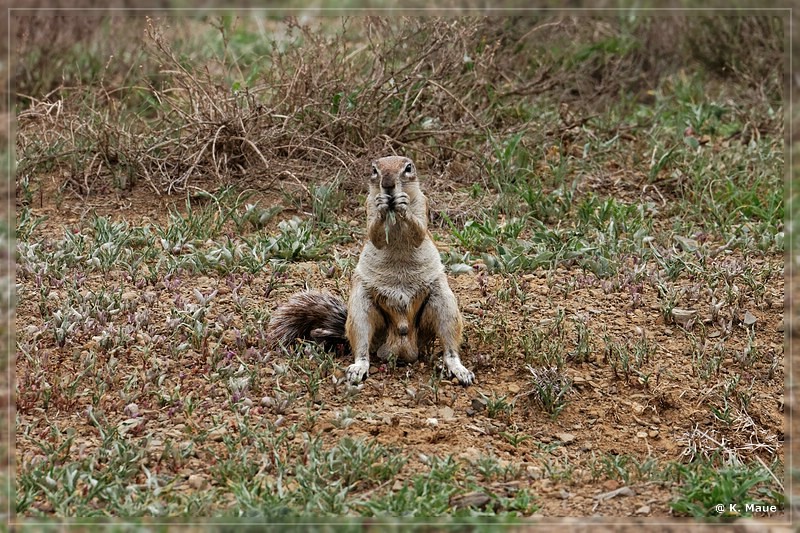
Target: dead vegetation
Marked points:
443	90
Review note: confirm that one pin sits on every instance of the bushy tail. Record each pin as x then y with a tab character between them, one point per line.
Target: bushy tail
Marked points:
314	315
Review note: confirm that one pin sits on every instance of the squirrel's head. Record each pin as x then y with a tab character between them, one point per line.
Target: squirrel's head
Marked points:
393	174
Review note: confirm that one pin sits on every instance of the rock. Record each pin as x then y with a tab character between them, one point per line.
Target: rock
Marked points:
475	499
749	319
534	472
470	454
643	510
432	422
622	491
641	435
684	317
373	369
566	438
478	405
129	296
446	413
653	433
470	411
217	434
781	327
196	481
513	388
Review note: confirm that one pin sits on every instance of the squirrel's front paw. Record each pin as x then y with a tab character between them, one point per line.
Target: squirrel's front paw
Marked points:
459	371
357	372
401	203
382	202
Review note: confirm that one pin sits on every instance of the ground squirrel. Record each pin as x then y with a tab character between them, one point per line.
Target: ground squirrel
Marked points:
399	299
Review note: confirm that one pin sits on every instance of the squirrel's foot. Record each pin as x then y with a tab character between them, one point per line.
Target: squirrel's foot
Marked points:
357	372
459	371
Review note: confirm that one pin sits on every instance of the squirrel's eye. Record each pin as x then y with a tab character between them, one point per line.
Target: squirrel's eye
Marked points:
374	172
409	169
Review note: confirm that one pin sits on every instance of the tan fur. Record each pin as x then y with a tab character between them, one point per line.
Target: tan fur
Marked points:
400	299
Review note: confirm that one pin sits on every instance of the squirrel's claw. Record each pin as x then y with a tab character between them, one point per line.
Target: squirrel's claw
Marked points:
460	372
401	203
382	204
357	372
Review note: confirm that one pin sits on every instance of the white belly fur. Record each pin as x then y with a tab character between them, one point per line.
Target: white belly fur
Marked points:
399	277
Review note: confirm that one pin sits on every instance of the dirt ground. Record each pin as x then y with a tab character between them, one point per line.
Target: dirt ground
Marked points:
606	416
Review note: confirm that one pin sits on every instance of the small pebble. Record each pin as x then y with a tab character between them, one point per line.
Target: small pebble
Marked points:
196	481
478	404
566	438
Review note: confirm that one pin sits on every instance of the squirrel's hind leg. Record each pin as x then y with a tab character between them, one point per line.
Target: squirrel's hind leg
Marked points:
442	316
363	320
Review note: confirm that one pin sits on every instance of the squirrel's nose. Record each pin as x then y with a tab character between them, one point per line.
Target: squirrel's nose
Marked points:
388	186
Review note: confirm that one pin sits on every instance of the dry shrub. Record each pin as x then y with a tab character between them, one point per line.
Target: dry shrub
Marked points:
52	47
328	94
736	47
424	86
